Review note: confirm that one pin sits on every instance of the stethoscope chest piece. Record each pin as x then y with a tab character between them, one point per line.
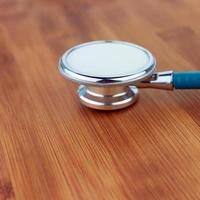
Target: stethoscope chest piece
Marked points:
110	73
106	72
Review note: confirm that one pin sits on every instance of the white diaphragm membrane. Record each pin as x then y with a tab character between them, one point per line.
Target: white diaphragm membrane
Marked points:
108	59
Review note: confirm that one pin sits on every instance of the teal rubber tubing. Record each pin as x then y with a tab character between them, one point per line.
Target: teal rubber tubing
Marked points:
186	80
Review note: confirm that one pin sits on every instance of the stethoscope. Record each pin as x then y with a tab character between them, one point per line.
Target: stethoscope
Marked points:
110	73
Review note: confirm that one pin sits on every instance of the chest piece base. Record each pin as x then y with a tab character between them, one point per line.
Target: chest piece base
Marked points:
107	98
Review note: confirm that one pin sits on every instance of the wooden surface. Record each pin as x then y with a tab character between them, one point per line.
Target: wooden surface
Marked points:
54	148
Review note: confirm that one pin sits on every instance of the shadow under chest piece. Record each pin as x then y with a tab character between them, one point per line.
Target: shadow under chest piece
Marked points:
110	73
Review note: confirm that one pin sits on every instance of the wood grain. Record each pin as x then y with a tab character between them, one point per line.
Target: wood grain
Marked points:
51	147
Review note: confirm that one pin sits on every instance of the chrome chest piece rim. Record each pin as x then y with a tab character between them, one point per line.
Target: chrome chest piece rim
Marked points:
108	72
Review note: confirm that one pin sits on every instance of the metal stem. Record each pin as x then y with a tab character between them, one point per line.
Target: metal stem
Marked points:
159	80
